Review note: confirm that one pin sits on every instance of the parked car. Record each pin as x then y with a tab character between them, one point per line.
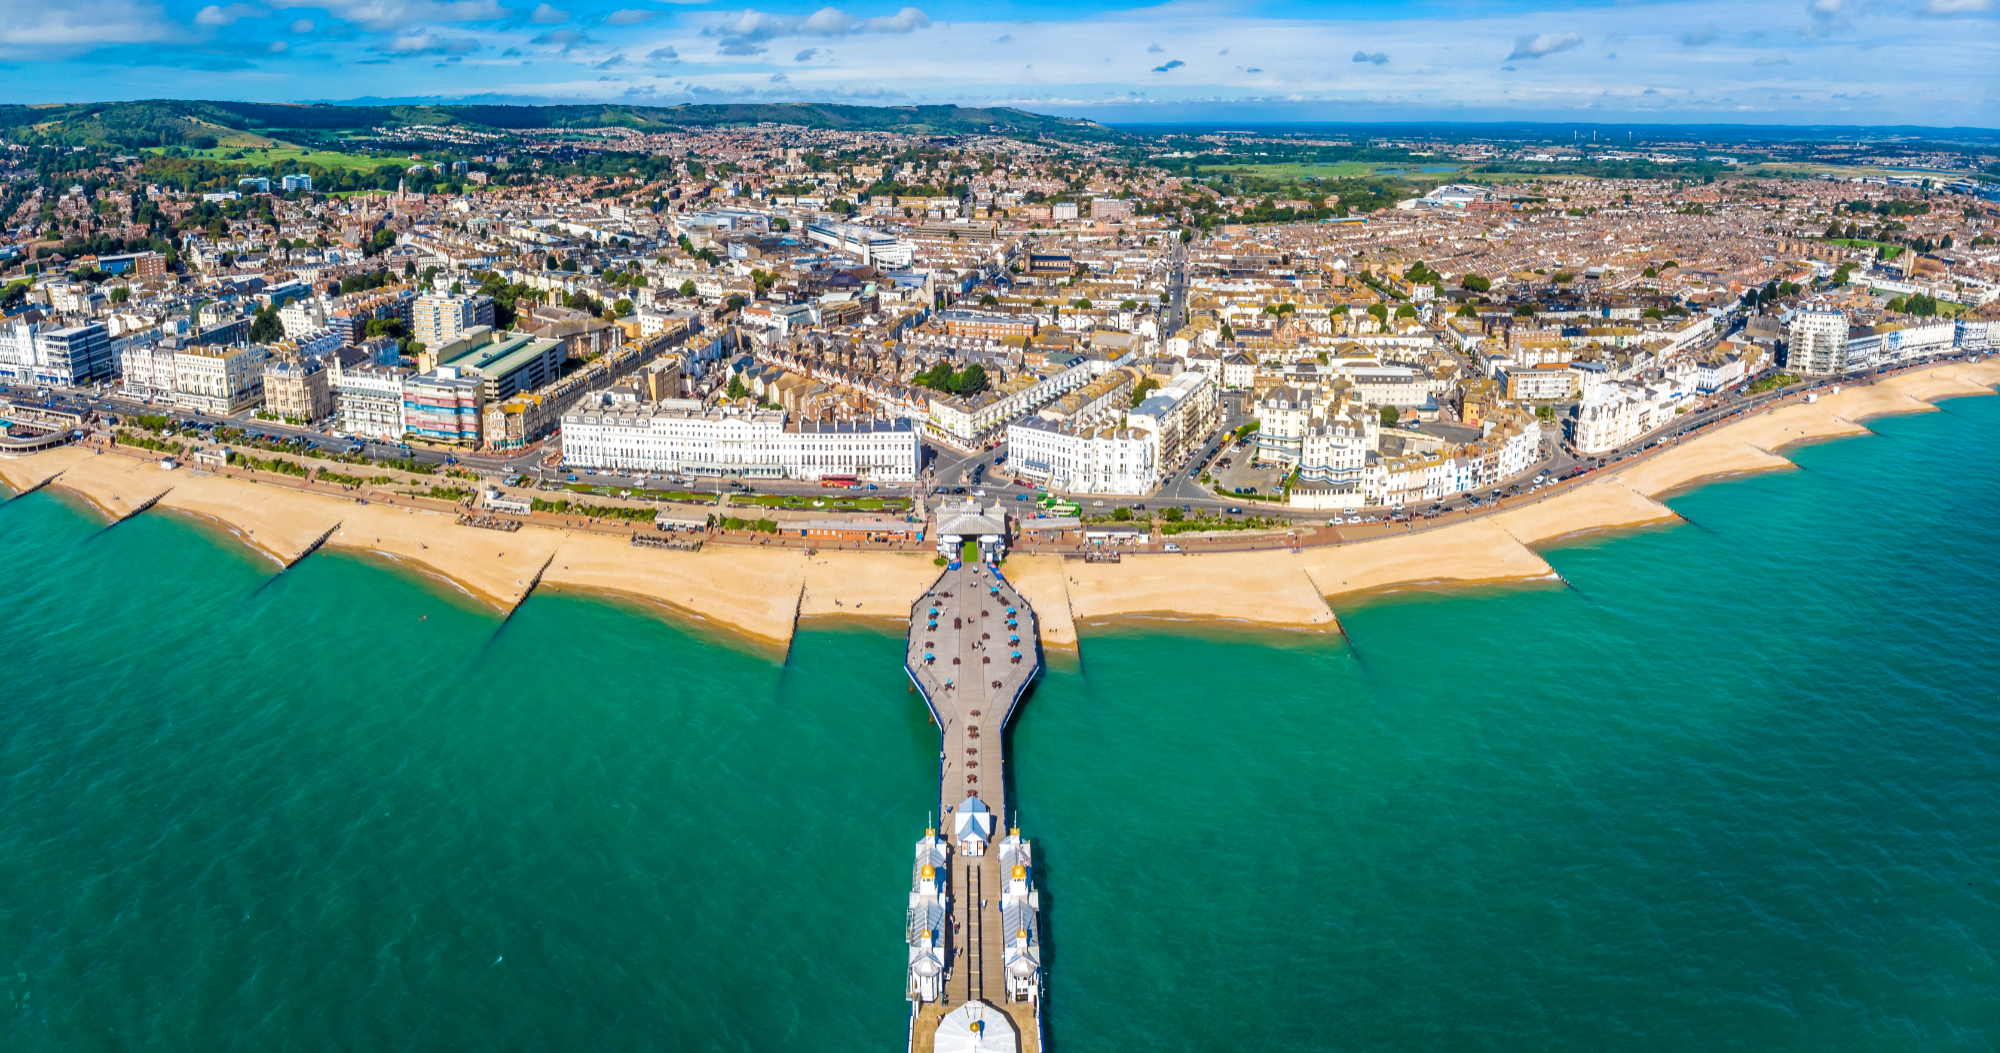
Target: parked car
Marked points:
1171	547
1236	511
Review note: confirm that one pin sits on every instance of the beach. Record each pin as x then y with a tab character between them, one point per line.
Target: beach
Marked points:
763	592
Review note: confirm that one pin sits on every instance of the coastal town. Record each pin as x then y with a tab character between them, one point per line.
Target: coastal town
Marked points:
781	309
988	386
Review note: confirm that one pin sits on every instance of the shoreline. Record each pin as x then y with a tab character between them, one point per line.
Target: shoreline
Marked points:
764	593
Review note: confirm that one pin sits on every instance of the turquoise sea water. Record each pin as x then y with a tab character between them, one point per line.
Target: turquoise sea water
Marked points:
1733	788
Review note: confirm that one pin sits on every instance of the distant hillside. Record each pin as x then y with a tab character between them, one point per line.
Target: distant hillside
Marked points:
170	122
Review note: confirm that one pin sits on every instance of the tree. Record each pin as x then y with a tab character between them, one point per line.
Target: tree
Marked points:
1128	305
989	300
1475	283
1121	513
1524	311
736	388
1171	515
622	308
1378	312
1406	311
1466	311
1390	416
1081	304
265	327
121	294
1166	298
687	287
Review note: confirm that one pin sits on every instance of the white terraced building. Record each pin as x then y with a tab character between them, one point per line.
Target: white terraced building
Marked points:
679	435
1085	459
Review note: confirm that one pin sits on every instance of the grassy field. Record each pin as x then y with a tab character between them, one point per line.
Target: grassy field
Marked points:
272	153
832	504
1849	171
1888	251
1335	170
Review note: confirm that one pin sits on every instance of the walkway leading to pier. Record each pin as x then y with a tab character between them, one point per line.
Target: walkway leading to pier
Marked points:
973	652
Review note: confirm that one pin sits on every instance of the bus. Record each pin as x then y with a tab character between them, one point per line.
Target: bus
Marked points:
847	481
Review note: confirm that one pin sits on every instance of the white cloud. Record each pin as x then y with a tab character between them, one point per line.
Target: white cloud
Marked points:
1827	18
394	14
303	25
36	30
752	24
1707	34
428	44
546	15
562	38
278	47
1378	58
630	16
213	15
1948	8
1528	45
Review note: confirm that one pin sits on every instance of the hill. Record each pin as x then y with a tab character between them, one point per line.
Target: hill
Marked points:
170	122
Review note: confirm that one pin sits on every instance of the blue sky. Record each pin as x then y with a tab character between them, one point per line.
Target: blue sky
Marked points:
1929	62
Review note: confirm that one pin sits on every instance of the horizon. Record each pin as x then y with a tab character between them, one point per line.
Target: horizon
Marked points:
1696	62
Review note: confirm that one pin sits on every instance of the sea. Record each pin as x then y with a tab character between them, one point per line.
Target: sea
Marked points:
1730	784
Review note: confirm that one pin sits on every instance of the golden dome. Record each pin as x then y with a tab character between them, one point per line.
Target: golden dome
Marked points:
1020	872
929	872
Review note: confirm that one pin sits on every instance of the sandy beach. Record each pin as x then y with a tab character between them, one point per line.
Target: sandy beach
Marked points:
763	592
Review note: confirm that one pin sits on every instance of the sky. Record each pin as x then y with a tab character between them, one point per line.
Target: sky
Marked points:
1848	62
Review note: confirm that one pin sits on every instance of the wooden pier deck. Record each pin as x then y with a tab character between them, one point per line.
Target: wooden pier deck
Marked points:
965	635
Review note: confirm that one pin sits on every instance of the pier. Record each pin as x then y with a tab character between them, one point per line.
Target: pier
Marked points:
974	927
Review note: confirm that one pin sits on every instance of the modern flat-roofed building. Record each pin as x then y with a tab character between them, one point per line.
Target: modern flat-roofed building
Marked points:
79	354
445	405
508	363
437	319
864	243
1817	344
